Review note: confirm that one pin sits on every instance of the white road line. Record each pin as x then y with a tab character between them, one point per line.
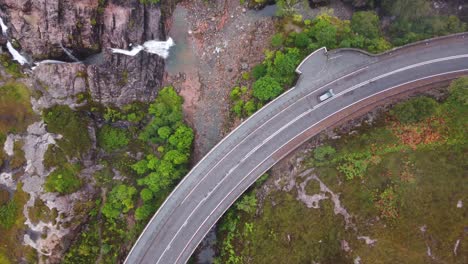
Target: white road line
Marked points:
232	190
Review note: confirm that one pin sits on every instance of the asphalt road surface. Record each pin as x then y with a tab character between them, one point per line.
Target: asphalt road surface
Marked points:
358	81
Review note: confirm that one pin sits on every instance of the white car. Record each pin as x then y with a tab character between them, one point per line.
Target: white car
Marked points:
329	94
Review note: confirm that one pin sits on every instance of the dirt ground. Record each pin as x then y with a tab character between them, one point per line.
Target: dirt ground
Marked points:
220	40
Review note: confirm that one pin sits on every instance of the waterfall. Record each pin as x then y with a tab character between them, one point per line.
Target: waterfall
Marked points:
69	54
160	48
3	26
16	55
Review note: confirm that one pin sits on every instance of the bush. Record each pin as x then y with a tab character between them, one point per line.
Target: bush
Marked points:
143	212
266	88
258	71
277	40
323	153
301	40
63	180
366	23
111	138
248	203
250	107
237	108
8	214
414	110
235	93
119	200
459	91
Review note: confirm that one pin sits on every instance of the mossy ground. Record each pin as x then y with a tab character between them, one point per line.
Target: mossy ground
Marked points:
413	178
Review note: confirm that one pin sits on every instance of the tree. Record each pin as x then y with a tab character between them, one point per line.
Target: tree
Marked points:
182	139
111	138
459	91
248	203
284	66
323	152
176	157
250	107
166	111
143	212
63	180
324	32
164	132
302	40
146	194
366	23
258	71
266	88
414	110
277	40
119	200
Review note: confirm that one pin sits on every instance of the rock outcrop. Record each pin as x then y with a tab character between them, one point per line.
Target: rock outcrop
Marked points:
89	28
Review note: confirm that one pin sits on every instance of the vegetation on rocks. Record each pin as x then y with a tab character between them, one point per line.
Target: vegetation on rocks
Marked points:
72	125
64	179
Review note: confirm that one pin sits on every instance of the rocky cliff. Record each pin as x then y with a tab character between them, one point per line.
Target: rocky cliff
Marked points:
45	29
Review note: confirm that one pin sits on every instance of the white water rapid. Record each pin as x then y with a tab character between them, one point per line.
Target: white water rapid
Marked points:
16	55
69	53
3	26
151	46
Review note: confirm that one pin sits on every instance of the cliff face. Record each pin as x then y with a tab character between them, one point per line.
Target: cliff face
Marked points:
90	28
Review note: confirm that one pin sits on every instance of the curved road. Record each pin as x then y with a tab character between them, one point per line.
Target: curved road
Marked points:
359	80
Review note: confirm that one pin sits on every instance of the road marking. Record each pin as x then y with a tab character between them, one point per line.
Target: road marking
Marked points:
232	190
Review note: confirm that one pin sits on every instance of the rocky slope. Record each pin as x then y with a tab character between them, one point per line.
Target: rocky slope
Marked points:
47	30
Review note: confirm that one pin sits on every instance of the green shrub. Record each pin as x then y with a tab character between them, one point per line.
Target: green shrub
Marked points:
64	180
119	200
266	88
73	126
111	138
8	214
258	71
459	91
366	23
237	107
235	93
144	211
250	107
323	153
414	110
302	40
248	203
277	40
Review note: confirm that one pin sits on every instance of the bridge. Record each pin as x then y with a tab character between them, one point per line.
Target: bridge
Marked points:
359	80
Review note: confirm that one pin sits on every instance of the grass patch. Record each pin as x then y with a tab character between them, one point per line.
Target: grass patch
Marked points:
15	109
72	125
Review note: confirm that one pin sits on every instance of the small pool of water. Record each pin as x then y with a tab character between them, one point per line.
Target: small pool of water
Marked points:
181	57
267	11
